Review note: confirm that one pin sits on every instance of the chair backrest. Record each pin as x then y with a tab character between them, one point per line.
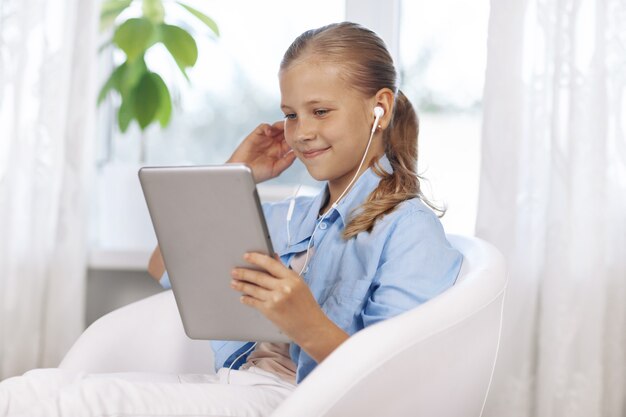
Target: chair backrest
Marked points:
435	360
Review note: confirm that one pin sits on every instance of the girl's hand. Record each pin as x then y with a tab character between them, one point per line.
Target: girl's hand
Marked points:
156	266
283	297
265	151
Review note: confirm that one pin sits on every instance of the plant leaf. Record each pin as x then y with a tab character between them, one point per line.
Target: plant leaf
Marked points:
204	18
134	36
112	83
110	10
146	100
133	71
181	46
125	113
164	111
153	10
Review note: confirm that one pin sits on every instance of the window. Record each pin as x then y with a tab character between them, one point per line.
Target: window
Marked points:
234	87
443	49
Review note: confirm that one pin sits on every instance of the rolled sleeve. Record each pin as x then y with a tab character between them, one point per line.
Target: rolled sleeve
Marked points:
417	263
165	281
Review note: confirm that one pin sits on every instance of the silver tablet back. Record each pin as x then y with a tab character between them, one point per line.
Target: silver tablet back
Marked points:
205	219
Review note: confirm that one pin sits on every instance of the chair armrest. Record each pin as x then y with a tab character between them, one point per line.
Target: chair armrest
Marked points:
413	364
145	336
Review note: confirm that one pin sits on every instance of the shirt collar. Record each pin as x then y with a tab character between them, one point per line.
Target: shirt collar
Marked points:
306	211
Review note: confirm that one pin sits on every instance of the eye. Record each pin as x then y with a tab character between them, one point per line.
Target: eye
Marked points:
321	112
290	116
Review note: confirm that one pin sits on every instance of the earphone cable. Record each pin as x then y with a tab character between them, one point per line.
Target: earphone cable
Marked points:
292	203
334	205
235	361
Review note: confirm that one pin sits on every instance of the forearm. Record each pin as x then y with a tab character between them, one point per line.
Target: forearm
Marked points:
322	339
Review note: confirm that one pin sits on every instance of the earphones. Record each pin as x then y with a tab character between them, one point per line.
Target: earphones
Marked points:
378	113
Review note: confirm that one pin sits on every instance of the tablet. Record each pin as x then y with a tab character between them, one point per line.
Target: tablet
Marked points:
205	218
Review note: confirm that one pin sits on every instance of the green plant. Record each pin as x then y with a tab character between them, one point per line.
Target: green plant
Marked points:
145	97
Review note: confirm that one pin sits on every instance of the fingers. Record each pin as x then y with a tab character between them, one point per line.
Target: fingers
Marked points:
252	284
262	129
272	131
268	130
250	290
257	278
279	125
251	301
273	266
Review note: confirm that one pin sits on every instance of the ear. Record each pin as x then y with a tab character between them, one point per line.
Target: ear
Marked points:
385	99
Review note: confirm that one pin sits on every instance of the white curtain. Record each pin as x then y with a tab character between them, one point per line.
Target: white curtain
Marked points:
553	199
47	101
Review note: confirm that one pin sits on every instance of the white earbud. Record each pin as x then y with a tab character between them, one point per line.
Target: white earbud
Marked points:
378	113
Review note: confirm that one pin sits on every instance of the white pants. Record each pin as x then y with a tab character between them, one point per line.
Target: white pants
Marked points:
57	392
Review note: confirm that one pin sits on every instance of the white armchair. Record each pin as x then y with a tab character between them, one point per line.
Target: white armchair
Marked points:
435	360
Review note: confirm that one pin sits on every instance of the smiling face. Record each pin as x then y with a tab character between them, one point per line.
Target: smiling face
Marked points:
327	122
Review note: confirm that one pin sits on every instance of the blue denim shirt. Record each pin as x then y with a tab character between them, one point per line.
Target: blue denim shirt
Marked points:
403	262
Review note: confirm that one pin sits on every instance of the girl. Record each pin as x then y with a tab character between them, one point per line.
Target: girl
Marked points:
365	249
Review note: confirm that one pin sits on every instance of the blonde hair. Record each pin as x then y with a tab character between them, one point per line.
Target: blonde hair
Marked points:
369	68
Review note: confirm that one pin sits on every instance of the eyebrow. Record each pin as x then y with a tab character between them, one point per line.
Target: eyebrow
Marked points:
310	102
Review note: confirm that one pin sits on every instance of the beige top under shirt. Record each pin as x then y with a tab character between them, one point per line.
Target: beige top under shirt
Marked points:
274	357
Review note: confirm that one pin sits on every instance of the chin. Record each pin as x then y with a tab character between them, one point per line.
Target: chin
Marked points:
317	173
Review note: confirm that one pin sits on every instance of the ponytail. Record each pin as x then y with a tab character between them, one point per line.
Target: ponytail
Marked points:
403	183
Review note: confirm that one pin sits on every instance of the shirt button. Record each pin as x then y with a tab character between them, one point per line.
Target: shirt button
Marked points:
323	225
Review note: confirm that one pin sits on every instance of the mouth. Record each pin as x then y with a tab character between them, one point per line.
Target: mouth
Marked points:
314	153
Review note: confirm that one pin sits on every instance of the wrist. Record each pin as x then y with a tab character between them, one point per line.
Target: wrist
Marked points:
321	338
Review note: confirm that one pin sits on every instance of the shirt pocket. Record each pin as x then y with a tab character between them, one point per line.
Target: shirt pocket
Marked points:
346	301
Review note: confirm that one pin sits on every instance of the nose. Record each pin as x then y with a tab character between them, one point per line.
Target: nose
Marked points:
305	130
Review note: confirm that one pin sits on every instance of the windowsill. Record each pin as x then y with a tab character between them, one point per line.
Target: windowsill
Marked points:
119	259
136	259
